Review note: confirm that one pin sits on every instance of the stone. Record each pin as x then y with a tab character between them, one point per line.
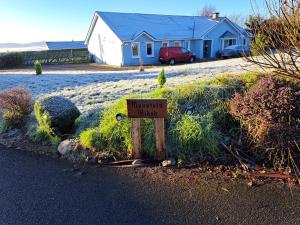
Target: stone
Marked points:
169	162
137	162
65	147
57	113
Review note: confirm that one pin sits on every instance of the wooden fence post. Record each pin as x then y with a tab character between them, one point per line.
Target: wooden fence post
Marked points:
136	136
160	138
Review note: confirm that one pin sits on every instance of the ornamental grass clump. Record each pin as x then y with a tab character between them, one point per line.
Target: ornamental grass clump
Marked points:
269	113
92	139
16	104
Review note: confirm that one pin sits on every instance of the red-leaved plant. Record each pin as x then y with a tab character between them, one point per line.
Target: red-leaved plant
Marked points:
269	113
16	104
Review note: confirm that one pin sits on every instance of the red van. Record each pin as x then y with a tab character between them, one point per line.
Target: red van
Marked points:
173	55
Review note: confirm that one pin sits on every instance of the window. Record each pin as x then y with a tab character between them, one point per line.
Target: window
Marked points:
187	45
149	49
165	44
135	48
177	44
229	42
184	50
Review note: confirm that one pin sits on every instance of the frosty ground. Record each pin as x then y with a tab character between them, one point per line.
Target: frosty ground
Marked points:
90	89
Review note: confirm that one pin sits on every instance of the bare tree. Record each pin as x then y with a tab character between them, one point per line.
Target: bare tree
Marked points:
253	23
207	10
276	42
238	19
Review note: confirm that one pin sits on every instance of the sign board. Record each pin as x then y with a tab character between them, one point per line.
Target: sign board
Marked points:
147	108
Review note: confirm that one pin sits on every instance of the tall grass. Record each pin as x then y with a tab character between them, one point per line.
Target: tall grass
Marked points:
195	126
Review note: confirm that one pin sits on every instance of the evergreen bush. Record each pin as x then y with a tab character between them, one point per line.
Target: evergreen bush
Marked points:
38	67
161	78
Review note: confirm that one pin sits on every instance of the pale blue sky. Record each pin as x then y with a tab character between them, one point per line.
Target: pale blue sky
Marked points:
54	20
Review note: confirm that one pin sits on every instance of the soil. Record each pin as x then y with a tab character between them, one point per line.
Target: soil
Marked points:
190	174
93	67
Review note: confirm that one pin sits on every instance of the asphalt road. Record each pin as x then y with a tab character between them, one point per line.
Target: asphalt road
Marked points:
41	190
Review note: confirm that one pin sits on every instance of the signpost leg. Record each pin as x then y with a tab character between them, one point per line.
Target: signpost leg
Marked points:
136	136
160	138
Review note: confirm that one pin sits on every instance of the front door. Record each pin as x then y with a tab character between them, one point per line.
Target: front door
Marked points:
207	49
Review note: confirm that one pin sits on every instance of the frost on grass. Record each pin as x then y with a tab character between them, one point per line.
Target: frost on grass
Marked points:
89	90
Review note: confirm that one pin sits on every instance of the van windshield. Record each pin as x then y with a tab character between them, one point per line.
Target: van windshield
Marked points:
184	50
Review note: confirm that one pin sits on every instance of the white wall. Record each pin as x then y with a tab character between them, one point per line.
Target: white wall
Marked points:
104	45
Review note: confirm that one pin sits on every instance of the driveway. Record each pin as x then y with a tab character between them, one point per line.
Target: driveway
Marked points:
40	190
90	88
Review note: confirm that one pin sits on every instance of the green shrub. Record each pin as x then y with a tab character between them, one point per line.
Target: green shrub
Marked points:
188	136
87	120
236	83
117	134
38	67
44	125
10	60
42	119
161	78
197	134
92	139
4	126
13	119
39	135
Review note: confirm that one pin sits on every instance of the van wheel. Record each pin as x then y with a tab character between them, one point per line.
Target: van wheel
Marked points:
192	59
172	62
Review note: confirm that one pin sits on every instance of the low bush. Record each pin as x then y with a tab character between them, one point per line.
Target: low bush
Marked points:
198	120
10	60
4	126
269	113
236	83
92	139
89	119
38	67
187	135
39	135
16	104
197	134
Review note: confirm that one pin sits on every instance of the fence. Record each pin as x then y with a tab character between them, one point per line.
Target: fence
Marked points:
66	56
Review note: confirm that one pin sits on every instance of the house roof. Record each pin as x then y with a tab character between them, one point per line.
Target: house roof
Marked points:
128	26
58	45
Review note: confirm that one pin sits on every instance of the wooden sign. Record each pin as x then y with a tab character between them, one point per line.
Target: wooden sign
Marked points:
148	108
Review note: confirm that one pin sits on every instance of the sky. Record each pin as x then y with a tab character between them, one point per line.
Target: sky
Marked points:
23	21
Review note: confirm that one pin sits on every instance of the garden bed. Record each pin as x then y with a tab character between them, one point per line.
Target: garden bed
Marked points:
205	139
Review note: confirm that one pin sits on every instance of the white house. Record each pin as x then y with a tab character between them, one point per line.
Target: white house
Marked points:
123	39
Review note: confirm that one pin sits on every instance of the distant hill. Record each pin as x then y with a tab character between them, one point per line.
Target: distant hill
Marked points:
16	47
40	46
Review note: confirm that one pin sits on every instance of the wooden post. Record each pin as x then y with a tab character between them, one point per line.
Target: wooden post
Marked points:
136	136
148	108
160	138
